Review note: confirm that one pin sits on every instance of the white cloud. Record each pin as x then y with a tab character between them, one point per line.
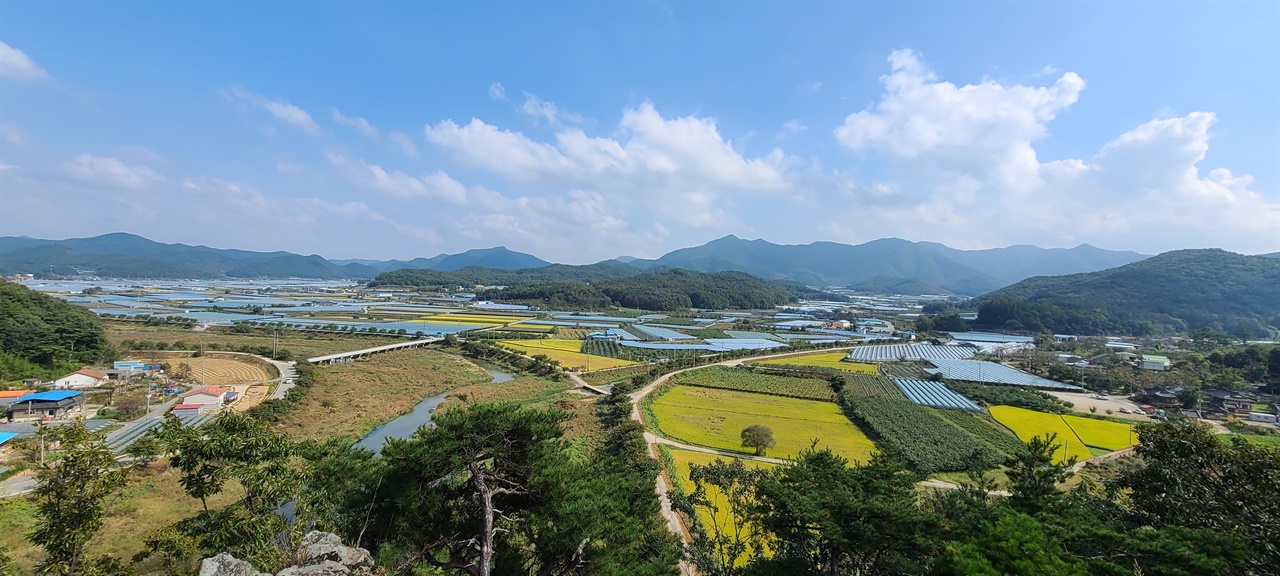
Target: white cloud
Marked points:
434	185
403	143
681	168
792	127
497	92
7	167
541	110
285	167
360	124
282	110
962	169
15	64
12	134
107	171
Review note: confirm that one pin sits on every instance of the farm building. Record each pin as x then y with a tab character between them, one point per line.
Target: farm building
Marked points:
8	396
83	378
188	410
892	352
211	397
990	337
992	373
5	437
1158	363
42	405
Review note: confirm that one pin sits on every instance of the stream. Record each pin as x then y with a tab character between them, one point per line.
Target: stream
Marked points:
405	425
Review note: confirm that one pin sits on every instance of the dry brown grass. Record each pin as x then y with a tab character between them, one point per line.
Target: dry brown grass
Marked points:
349	400
153	499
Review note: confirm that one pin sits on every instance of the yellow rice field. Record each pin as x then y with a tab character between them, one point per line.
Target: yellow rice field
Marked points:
1102	433
715	418
683	458
828	360
567	352
220	371
1028	424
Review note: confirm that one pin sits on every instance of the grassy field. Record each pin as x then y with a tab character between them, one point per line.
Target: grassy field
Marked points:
300	345
1103	434
1268	441
828	360
349	400
214	371
715	418
1028	424
152	499
682	459
746	381
540	393
565	351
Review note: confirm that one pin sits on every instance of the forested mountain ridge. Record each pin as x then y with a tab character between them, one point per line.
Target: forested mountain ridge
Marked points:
1175	291
886	265
667	290
43	336
122	255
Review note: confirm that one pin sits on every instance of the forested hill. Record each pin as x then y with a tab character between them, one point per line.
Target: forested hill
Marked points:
41	335
477	276
1175	291
667	290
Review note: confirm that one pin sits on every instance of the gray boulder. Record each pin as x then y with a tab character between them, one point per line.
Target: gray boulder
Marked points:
225	564
324	546
323	568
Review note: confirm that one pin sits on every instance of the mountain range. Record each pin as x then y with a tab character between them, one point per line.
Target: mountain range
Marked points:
886	265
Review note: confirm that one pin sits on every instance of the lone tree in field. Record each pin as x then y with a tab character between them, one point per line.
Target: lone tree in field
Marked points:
758	436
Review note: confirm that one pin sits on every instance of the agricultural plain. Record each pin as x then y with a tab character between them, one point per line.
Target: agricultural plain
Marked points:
1028	424
567	352
829	360
715	418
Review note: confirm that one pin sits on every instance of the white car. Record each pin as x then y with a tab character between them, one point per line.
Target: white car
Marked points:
1126	411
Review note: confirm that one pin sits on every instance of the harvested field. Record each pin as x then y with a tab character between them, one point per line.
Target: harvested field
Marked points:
215	371
828	360
566	352
715	418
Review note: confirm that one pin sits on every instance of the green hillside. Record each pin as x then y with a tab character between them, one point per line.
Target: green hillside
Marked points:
1176	291
43	336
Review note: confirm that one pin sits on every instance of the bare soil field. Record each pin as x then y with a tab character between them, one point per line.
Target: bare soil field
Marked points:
1083	402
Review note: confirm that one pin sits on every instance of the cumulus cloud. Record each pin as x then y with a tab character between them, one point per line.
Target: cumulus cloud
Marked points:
15	64
435	185
963	169
283	111
679	167
107	171
497	92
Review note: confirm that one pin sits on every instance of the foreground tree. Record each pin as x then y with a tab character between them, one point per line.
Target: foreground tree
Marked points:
759	437
724	492
463	473
72	497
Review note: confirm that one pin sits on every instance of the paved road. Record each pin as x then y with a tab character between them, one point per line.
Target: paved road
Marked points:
288	374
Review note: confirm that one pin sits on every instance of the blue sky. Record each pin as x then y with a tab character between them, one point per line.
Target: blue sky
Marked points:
584	131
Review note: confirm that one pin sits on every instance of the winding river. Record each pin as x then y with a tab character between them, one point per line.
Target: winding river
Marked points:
405	425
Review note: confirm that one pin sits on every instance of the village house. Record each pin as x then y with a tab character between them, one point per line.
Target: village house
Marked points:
1229	401
83	378
45	405
8	396
210	397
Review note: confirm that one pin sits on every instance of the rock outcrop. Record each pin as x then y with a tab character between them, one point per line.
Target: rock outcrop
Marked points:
319	554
